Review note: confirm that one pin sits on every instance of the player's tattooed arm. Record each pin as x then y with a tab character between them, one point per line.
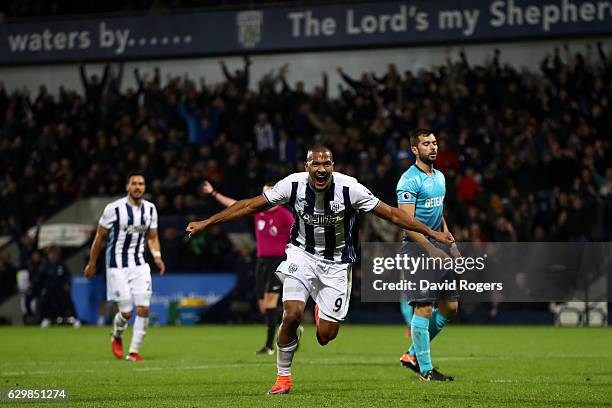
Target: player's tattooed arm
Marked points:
94	252
240	209
408	222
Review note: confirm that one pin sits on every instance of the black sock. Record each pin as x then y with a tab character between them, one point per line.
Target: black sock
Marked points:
271	317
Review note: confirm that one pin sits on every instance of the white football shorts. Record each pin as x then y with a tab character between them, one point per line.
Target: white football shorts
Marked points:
129	286
328	283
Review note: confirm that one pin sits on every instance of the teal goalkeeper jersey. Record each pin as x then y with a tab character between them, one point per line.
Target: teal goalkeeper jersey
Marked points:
426	192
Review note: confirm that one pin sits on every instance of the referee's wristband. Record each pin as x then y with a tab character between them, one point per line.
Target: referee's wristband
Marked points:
156	254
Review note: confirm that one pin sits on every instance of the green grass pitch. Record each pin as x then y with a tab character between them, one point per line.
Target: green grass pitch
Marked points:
209	366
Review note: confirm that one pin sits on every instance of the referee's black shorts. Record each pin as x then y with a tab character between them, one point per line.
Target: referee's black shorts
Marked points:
266	280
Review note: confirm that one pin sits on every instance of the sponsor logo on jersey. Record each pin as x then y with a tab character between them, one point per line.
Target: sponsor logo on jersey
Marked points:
135	229
434	202
319	220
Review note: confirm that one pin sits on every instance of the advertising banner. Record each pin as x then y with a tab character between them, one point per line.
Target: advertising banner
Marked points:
318	27
63	234
167	290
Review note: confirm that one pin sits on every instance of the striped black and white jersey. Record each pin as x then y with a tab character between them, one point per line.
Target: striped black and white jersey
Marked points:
323	220
128	225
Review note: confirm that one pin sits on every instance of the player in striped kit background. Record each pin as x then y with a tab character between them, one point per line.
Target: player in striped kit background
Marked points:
128	223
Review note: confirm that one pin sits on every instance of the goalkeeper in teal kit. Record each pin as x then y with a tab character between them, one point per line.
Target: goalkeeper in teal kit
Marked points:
420	193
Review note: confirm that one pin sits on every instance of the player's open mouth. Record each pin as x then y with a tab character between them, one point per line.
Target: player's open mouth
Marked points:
321	179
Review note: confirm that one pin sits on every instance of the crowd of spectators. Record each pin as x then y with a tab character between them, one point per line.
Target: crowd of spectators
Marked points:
527	155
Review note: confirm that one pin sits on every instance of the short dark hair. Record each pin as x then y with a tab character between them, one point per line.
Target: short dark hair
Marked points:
132	174
321	149
269	183
416	133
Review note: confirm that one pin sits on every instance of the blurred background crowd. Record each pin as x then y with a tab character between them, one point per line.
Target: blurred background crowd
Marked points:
527	154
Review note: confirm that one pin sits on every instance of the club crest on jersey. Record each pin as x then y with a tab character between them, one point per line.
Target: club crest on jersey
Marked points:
293	268
261	224
335	206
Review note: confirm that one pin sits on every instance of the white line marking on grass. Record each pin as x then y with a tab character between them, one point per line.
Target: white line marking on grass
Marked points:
155	368
51	362
201	367
327	362
215	366
47	372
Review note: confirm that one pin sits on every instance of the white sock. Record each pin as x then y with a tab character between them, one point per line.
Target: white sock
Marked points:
284	357
140	329
120	323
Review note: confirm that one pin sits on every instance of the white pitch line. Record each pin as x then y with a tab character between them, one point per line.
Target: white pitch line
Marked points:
336	362
50	362
327	362
46	372
202	367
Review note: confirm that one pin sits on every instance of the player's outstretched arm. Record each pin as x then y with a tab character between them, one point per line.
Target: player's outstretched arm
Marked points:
90	268
406	221
240	209
207	189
